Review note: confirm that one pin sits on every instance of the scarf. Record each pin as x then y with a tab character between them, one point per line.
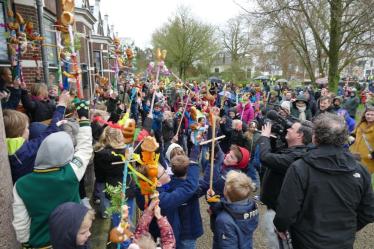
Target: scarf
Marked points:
302	108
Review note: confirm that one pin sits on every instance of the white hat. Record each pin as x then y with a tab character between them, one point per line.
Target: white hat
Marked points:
171	147
286	105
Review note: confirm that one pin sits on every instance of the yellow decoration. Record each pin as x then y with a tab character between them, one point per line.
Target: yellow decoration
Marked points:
163	54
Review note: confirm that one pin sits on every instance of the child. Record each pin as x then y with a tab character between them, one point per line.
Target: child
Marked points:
236	159
59	167
143	239
111	141
191	226
237	213
69	226
21	151
39	107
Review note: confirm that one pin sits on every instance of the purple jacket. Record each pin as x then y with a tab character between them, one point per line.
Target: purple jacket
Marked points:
22	162
248	112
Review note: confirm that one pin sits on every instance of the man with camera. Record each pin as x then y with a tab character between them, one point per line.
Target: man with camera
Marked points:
326	196
298	136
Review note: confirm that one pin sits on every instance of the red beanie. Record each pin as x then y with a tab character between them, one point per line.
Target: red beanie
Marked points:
245	159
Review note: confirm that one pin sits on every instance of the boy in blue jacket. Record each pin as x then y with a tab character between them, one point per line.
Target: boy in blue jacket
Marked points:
172	199
191	226
237	213
21	151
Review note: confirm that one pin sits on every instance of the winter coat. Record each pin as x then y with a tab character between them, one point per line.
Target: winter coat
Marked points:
39	110
235	224
360	147
167	130
247	112
64	224
295	112
275	166
191	225
171	201
348	119
13	100
59	167
351	105
105	171
157	122
22	161
235	137
325	198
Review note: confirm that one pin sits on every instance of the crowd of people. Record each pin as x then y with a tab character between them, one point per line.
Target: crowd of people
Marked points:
299	152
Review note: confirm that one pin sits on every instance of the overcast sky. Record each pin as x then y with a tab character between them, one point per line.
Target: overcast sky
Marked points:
138	19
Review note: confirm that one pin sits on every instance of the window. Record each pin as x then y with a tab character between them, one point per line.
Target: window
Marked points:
3	43
371	63
97	61
50	39
216	70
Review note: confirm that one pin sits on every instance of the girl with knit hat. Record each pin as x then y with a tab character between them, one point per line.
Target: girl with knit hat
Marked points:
236	159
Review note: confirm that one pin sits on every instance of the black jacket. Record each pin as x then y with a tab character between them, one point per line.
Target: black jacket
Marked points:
38	110
276	166
325	198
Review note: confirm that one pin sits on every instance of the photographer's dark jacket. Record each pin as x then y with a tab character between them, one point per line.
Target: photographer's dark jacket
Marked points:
276	166
326	197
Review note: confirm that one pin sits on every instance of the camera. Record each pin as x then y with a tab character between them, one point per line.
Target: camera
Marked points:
279	125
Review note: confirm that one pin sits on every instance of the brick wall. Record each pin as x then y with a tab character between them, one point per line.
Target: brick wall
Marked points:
29	13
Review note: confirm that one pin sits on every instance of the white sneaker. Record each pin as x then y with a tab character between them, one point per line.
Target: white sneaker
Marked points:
86	202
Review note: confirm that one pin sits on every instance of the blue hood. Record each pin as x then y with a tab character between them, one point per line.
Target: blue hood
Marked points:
64	224
247	226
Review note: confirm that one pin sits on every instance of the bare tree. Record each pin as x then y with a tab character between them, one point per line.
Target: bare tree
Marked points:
186	39
324	33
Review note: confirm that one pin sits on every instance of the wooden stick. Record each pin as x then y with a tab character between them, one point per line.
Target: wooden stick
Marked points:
210	140
154	93
184	111
212	156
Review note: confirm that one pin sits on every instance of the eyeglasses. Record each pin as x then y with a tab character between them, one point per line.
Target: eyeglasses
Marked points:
163	173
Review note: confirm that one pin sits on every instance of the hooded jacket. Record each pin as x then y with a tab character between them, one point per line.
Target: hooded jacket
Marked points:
23	160
39	110
325	198
64	224
59	167
247	112
235	224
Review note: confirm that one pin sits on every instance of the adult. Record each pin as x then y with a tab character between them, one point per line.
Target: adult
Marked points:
363	145
325	105
326	196
10	93
298	136
352	102
300	109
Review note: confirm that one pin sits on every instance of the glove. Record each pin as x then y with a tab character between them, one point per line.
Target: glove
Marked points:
82	108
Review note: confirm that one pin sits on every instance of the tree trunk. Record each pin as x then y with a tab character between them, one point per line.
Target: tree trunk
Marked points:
7	234
336	12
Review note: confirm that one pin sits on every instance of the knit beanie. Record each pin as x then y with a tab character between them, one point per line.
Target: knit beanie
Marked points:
171	147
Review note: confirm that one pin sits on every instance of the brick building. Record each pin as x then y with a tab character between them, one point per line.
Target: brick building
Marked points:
94	35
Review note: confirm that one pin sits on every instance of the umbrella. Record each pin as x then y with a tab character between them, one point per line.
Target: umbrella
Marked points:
227	94
281	81
322	81
263	77
215	79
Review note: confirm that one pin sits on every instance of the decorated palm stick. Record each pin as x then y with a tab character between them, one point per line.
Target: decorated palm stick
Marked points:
181	81
160	63
184	111
212	156
210	140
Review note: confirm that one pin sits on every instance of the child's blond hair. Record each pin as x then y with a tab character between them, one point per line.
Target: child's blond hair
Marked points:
146	242
39	90
112	137
15	123
238	186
